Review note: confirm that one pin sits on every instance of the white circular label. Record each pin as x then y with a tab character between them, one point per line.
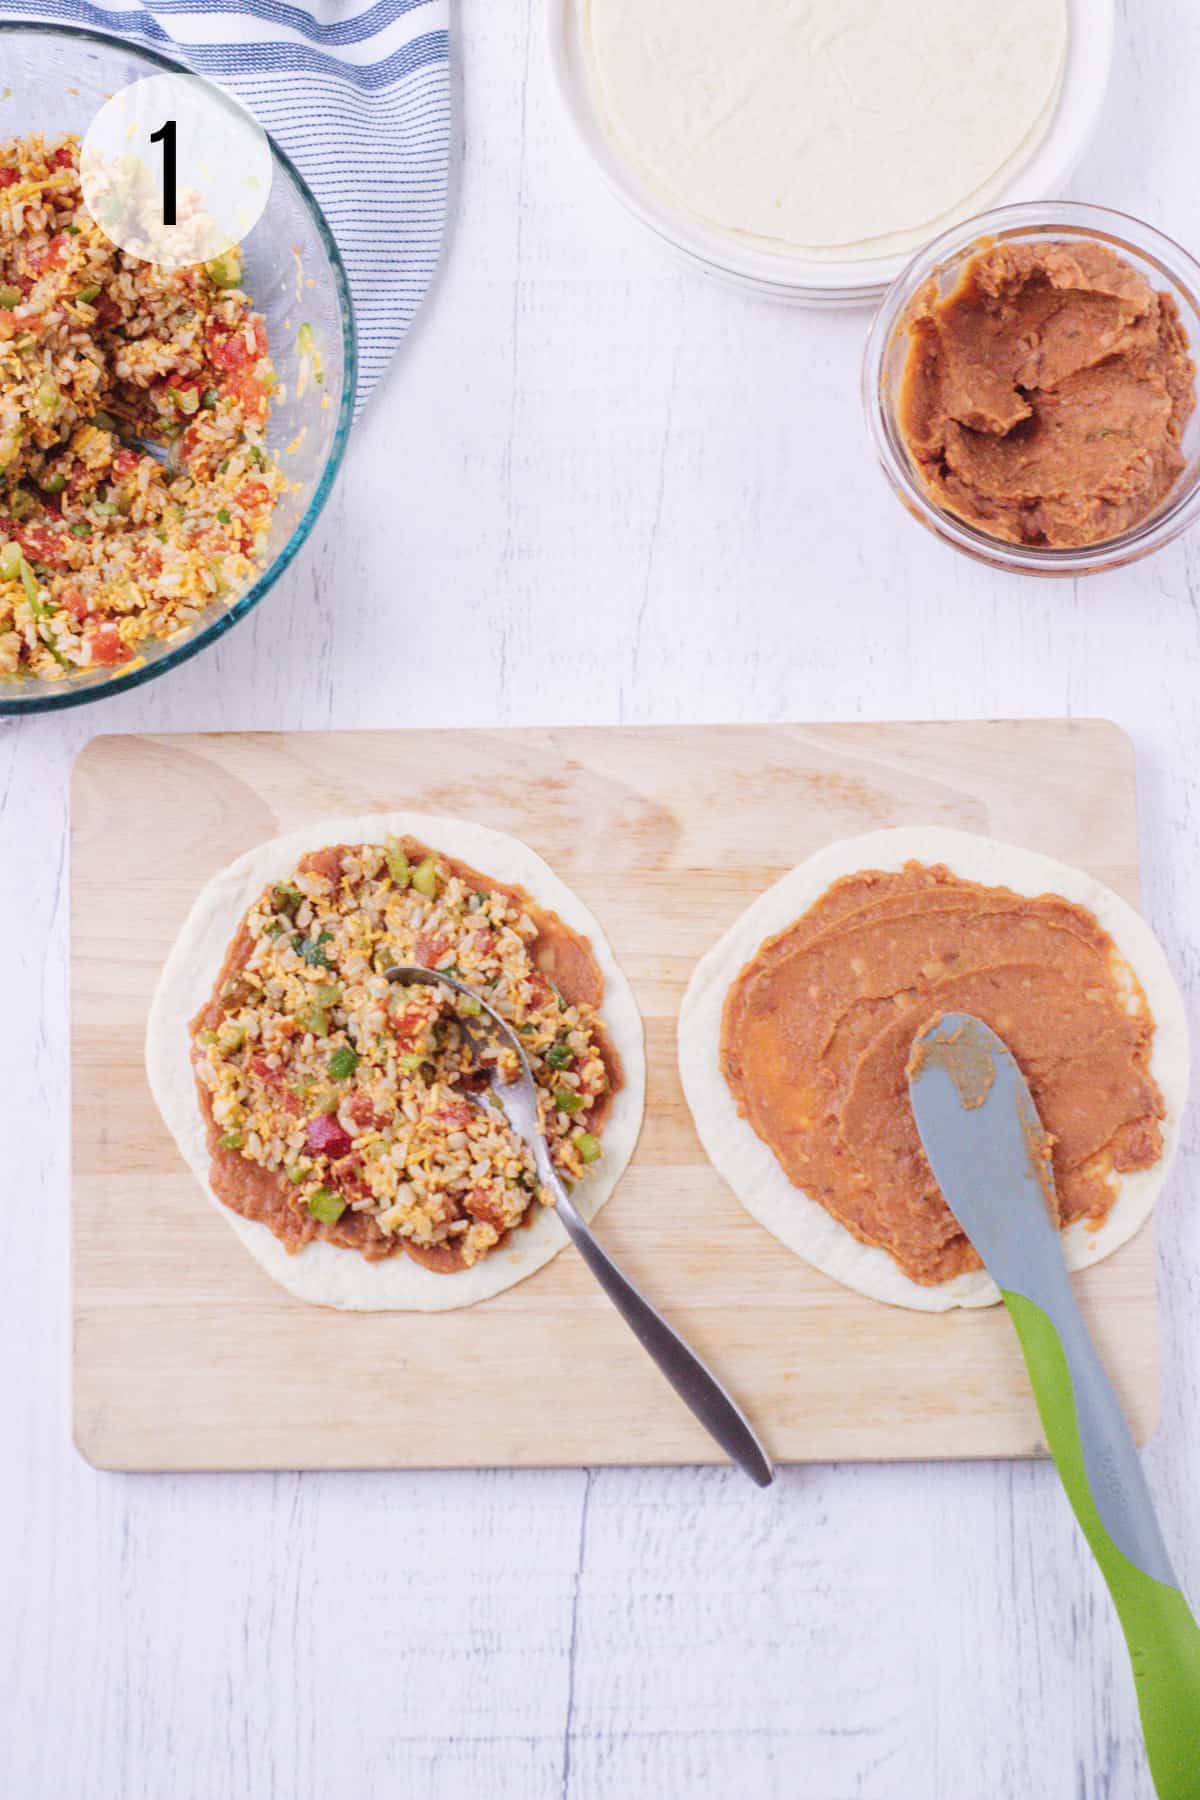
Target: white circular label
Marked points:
175	171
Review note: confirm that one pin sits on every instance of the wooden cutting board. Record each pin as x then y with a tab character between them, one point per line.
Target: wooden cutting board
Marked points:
187	1357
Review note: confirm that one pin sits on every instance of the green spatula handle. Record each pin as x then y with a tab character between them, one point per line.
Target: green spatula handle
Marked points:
1100	1469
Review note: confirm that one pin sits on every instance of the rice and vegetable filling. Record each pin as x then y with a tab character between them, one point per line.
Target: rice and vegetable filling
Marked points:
103	545
343	1107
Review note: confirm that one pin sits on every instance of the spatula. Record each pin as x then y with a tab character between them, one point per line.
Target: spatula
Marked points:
990	1155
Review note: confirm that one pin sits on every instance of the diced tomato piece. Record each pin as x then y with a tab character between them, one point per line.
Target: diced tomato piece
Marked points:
326	1137
253	493
63	158
50	257
72	598
456	1113
185	447
229	350
107	647
323	862
9	177
248	392
406	1027
277	1082
124	463
40	543
540	989
216	338
349	1179
363	1113
485	1203
429	950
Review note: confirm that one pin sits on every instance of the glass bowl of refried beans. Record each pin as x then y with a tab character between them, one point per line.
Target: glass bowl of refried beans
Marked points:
1030	388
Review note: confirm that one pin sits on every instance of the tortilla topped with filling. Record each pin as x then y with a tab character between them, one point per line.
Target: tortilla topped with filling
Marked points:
345	1108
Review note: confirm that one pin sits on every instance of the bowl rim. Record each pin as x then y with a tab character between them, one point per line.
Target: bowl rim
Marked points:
1136	238
11	705
836	282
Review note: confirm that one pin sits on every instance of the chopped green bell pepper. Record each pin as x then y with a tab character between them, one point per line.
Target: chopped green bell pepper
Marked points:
326	1206
398	864
424	878
225	271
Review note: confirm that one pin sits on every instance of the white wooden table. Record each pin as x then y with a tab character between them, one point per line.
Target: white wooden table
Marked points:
597	488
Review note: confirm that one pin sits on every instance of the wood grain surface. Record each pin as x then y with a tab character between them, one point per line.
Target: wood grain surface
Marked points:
188	1357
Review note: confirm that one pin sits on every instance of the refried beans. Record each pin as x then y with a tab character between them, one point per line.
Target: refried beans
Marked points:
819	1026
1045	398
342	1108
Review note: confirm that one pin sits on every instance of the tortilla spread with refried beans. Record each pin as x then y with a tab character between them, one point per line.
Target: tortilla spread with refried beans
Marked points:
342	1107
1044	399
818	1029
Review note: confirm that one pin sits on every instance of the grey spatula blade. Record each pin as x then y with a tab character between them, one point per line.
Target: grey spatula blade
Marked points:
988	1151
986	1145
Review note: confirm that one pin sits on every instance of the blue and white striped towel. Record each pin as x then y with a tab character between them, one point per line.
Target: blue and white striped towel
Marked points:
358	94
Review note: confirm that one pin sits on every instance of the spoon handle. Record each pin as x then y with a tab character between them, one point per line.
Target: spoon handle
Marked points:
696	1386
1090	1443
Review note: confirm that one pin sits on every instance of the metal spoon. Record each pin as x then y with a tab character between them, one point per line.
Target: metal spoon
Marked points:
696	1386
165	454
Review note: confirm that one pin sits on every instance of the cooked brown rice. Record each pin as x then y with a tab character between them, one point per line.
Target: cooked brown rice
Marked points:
345	1107
102	546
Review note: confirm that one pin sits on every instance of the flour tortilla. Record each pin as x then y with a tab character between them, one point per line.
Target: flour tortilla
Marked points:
834	128
324	1273
750	1167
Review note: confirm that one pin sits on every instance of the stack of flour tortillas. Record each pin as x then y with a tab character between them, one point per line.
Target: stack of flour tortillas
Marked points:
833	128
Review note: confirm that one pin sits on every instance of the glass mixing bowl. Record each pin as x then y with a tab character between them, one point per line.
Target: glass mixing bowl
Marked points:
56	79
1166	266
